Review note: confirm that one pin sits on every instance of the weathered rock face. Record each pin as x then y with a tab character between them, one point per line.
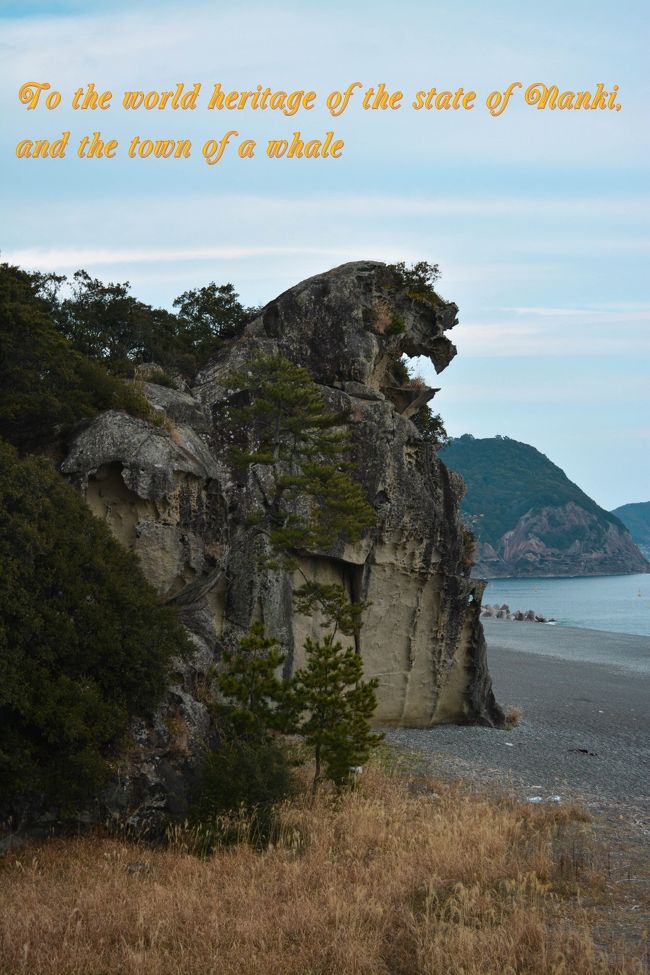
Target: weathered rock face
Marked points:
526	550
171	494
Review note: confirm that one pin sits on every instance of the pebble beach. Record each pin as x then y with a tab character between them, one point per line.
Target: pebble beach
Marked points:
585	730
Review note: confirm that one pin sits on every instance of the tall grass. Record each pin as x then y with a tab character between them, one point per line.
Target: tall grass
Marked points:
395	877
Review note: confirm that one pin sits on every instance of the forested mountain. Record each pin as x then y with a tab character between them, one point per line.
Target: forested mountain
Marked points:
636	518
529	519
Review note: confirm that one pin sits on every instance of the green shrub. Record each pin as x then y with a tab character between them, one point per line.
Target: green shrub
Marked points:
84	644
431	426
369	317
158	377
399	373
418	280
242	780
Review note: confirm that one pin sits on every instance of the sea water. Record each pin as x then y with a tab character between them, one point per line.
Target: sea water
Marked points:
617	604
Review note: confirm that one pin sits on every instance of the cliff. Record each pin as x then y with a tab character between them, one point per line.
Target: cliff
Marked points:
171	494
529	519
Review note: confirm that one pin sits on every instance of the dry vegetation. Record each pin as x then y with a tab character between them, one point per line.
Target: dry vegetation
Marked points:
513	716
404	877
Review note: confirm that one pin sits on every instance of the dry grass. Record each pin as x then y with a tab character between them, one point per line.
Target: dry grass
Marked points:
513	715
408	878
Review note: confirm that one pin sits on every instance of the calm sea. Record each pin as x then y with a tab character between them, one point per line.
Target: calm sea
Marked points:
618	604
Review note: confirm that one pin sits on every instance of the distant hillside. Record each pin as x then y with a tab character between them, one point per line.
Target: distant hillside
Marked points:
636	517
530	519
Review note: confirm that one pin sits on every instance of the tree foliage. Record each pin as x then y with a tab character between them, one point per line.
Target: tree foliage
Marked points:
249	680
431	426
505	479
335	706
310	502
84	643
636	518
210	315
62	359
104	321
45	384
286	429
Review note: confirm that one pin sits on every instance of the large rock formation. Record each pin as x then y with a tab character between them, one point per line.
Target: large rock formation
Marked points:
170	493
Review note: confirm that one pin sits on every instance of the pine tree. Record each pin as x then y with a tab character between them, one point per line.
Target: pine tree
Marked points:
250	770
310	502
338	612
249	679
287	429
335	707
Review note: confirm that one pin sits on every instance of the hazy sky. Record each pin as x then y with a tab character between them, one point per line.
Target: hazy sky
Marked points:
538	220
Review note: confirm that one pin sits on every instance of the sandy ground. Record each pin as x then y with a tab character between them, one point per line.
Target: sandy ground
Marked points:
585	732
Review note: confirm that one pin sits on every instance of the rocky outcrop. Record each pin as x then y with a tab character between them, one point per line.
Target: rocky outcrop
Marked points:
564	540
503	612
170	493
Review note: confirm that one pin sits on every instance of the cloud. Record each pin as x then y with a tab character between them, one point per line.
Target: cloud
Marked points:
549	393
590	311
605	335
75	257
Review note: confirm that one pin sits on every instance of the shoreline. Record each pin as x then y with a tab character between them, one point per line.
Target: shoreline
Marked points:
585	731
628	651
582	575
612	604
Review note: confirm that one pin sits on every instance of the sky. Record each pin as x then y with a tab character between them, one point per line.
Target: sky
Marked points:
539	221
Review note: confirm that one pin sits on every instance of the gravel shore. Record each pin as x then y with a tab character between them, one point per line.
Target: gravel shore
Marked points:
585	731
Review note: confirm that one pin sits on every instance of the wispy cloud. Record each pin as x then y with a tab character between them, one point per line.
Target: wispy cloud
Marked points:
76	257
607	314
379	206
613	334
587	310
